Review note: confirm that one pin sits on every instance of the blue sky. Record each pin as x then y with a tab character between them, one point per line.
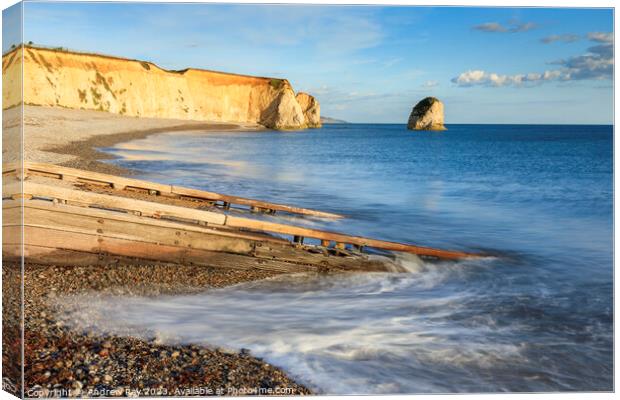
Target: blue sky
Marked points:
367	63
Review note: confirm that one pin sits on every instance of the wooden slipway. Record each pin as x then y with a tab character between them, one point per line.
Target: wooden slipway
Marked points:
120	183
66	221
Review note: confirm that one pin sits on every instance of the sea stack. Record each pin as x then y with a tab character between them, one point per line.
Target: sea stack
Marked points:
284	112
311	108
427	115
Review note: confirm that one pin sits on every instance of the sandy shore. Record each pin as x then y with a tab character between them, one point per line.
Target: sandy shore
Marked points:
59	361
70	137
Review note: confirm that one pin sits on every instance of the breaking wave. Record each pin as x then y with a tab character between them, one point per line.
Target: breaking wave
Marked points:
424	331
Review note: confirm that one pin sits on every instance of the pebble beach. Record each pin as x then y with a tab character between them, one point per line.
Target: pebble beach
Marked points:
60	361
63	362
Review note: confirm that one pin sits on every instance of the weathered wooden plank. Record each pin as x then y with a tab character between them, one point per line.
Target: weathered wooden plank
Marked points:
76	175
8	170
137	230
141	225
267	226
11	251
10	186
147	208
326	259
52	256
52	239
157	210
12	235
41	214
250	202
12	169
12	215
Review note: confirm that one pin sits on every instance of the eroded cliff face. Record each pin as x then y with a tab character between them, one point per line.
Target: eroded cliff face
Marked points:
138	88
311	109
284	112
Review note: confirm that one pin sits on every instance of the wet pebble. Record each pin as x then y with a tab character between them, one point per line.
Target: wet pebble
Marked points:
79	362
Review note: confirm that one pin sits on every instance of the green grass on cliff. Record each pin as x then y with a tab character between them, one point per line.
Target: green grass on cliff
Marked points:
276	83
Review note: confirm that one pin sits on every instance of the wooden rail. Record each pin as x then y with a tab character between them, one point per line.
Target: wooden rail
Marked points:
153	188
158	210
72	235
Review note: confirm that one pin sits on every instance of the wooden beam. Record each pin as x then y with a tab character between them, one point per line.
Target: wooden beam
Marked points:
158	210
140	229
48	245
340	238
13	211
121	183
146	208
251	202
47	242
85	223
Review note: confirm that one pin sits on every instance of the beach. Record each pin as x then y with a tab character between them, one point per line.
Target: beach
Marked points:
63	362
70	137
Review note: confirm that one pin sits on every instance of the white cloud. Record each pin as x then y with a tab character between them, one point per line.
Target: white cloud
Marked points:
602	37
596	64
523	27
483	78
429	84
491	27
566	38
512	27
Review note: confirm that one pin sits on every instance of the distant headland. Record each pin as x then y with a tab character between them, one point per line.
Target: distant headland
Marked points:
329	120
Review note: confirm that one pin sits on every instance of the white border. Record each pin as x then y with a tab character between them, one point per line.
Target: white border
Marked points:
478	3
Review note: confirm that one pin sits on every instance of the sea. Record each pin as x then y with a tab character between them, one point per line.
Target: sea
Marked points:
536	315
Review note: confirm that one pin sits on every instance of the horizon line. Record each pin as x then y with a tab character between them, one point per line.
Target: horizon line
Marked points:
467	123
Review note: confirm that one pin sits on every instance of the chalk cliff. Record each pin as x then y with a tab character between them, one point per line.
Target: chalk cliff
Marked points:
284	112
427	115
60	78
311	108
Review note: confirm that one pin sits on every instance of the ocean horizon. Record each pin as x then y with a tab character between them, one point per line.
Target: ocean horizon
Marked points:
447	124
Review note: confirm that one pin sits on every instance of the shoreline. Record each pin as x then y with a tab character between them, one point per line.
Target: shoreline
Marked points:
65	362
71	137
88	157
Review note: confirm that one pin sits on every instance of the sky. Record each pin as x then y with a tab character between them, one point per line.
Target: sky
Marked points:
368	63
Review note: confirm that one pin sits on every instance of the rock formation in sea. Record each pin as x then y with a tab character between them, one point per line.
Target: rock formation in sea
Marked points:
284	112
427	115
61	78
311	108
